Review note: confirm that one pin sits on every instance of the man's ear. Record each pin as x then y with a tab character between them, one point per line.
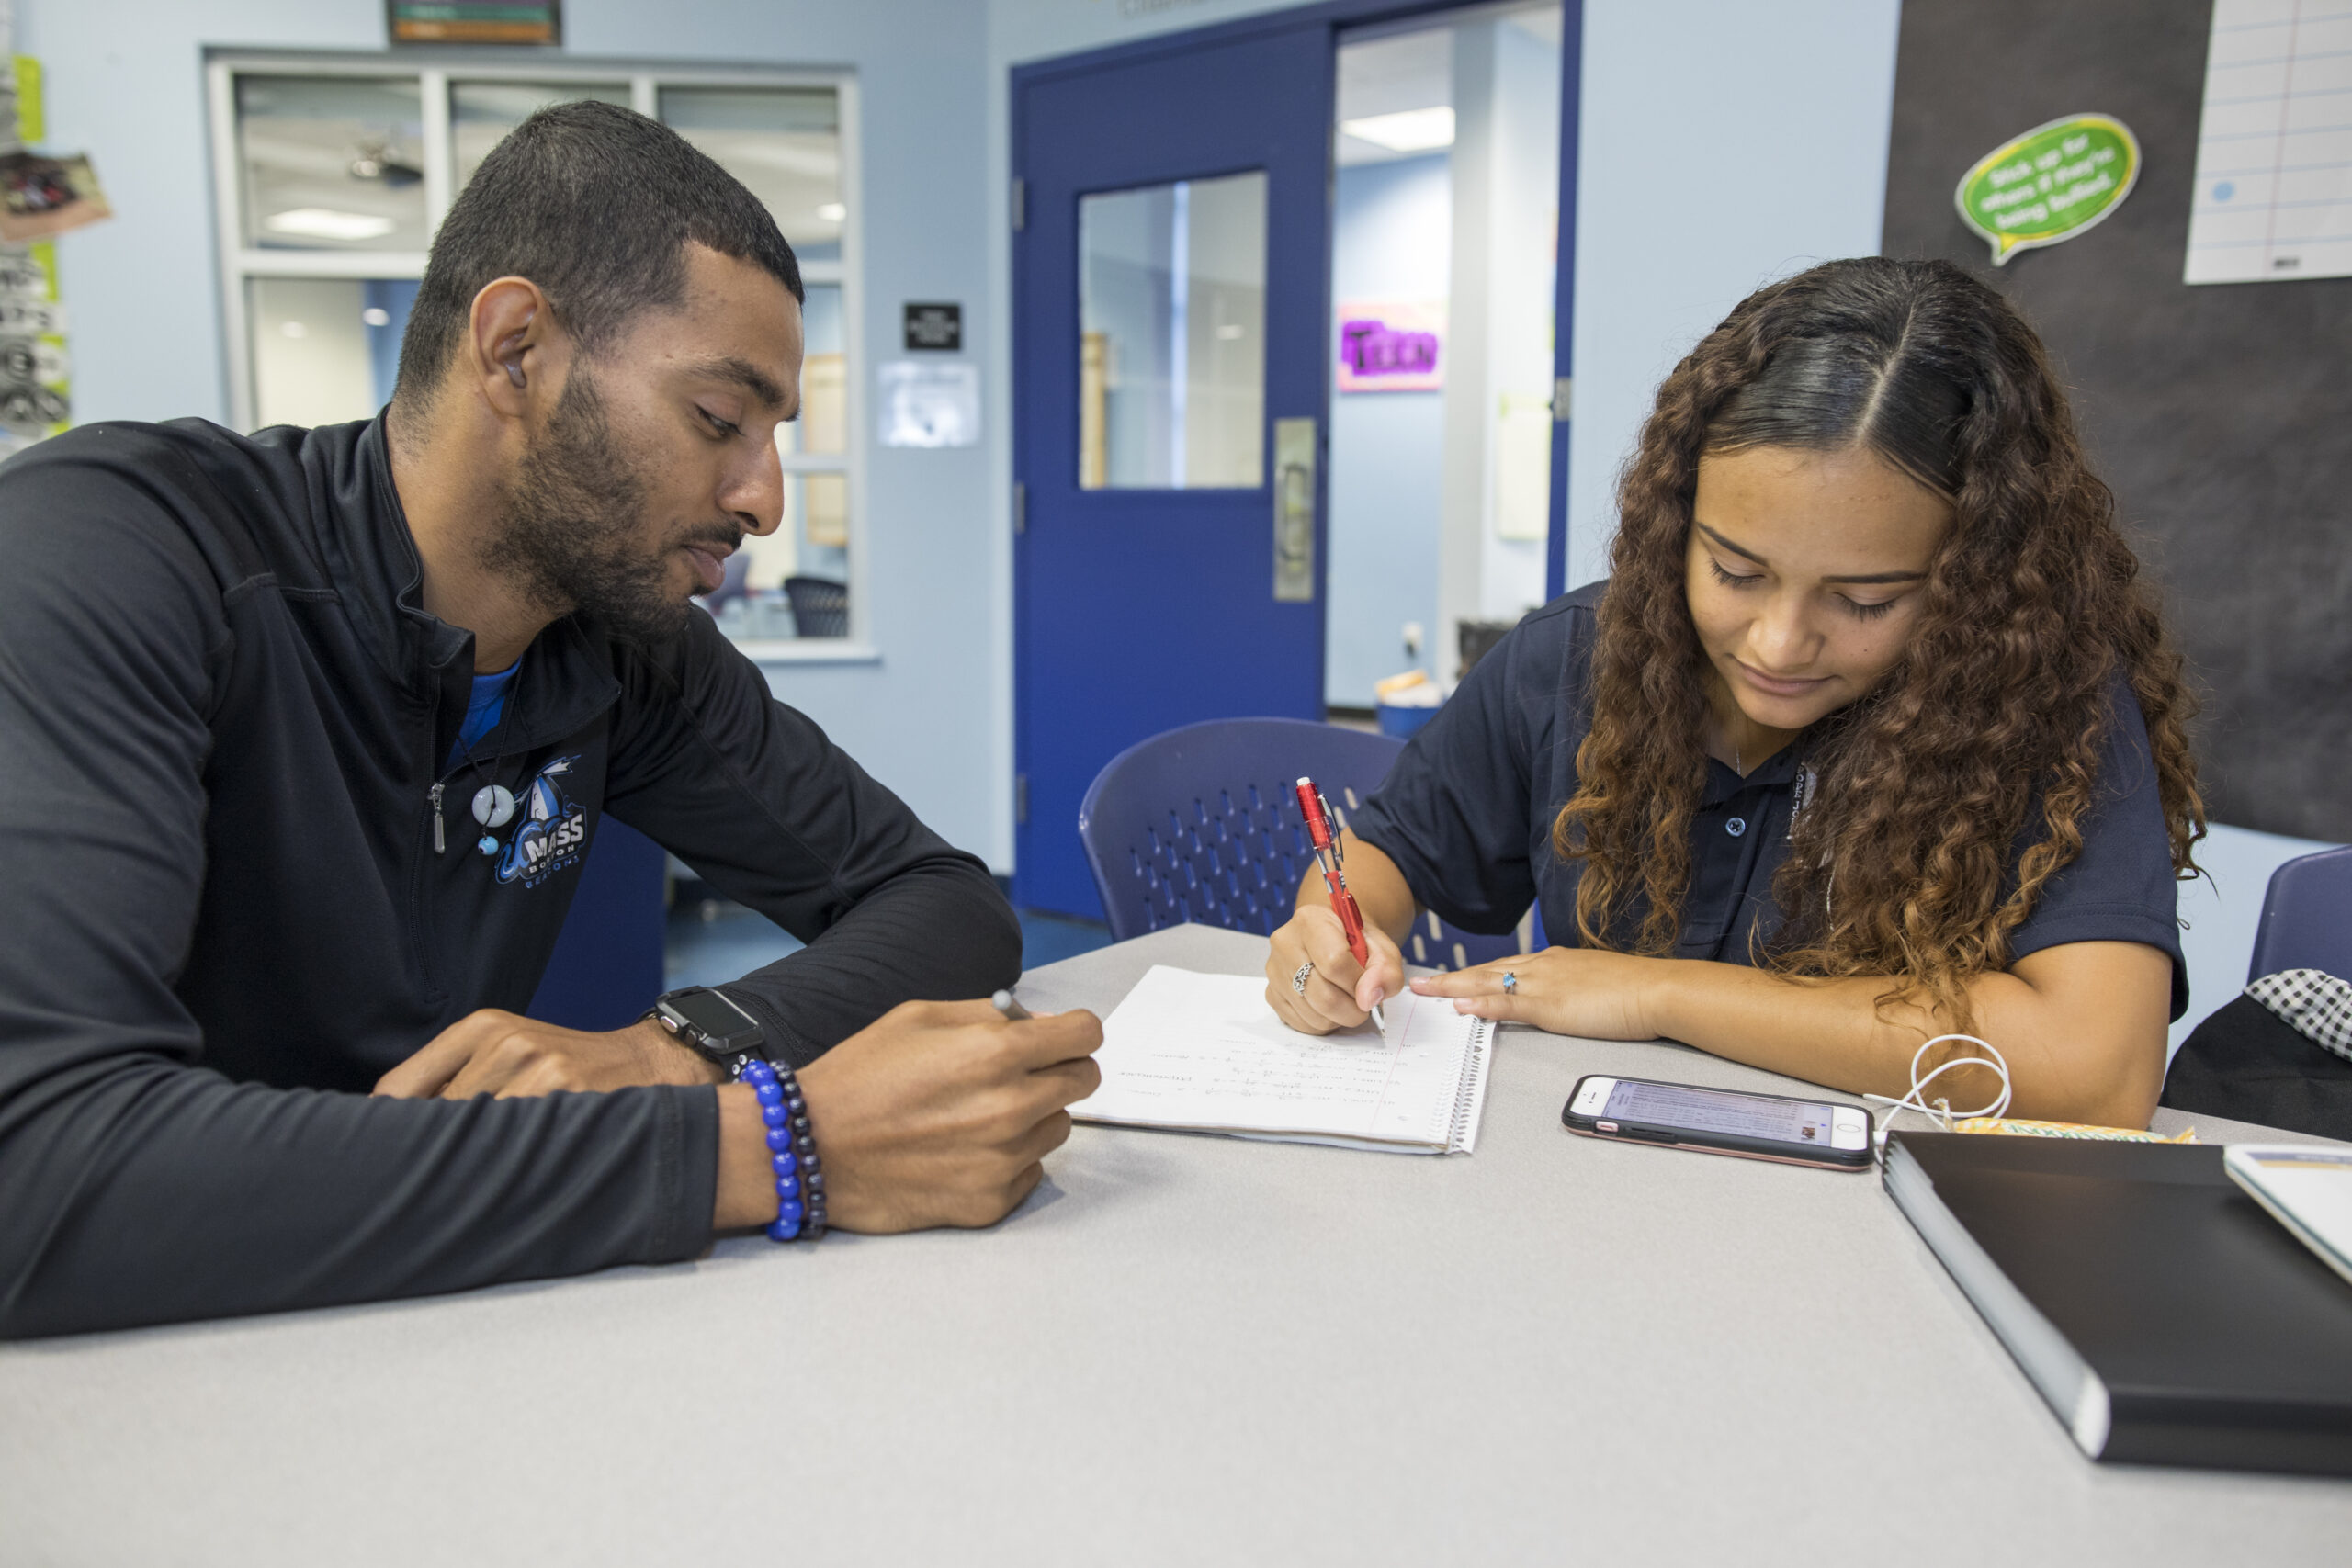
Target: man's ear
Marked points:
512	346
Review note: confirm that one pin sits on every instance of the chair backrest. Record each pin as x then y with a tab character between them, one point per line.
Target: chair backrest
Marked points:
2307	917
1199	826
820	605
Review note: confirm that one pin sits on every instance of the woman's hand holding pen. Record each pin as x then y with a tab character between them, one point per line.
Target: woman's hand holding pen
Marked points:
1340	992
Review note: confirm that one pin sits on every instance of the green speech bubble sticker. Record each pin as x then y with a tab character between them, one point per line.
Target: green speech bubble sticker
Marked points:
2050	184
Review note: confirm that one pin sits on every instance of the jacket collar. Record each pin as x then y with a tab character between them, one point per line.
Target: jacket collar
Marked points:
565	680
566	675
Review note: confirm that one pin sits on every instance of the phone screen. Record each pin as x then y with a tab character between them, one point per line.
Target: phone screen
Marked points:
1720	1110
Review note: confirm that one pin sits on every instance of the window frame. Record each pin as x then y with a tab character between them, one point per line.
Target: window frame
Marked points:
433	72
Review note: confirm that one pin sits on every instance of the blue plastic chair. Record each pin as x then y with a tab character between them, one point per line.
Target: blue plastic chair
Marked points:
1200	826
820	605
2306	917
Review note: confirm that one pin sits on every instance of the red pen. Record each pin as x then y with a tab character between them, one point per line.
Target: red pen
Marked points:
1317	813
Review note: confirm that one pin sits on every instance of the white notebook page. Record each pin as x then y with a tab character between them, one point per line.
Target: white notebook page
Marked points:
1205	1053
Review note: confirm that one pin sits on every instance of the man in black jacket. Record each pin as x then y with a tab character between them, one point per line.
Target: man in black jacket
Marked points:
303	737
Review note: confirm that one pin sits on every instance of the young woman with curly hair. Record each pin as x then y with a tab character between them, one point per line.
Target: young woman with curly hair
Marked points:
1872	734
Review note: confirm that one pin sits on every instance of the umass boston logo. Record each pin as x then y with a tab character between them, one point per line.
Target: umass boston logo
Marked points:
554	831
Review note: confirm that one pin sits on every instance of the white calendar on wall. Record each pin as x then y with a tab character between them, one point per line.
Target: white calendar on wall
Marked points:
2274	148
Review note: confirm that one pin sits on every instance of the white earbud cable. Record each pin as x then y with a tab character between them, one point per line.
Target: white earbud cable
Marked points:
1941	1112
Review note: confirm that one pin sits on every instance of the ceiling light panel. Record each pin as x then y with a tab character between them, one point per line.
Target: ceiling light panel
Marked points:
1409	130
326	223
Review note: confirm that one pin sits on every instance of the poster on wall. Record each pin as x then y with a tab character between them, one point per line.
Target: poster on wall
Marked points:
42	196
1391	345
1524	467
2274	146
34	389
929	405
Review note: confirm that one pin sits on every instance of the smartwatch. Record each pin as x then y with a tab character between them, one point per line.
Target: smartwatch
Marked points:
709	1023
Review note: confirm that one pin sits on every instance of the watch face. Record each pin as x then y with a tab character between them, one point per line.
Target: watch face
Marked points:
711	1013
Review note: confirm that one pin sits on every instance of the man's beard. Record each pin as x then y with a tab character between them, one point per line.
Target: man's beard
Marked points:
572	529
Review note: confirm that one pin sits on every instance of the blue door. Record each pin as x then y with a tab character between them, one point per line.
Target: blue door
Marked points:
1171	267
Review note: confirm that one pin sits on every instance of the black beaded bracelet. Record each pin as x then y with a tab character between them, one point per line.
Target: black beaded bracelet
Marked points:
792	1149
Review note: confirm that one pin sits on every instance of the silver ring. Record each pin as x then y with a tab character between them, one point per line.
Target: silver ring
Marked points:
1510	982
1298	977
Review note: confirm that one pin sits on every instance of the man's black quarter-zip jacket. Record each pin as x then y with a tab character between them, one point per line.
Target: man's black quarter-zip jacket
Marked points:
241	884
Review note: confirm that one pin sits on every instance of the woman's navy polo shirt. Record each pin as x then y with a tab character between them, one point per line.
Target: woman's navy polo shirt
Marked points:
1466	813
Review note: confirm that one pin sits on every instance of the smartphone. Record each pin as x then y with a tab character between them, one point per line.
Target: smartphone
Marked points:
1753	1126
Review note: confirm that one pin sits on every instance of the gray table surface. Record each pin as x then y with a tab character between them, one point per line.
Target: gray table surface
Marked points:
1181	1349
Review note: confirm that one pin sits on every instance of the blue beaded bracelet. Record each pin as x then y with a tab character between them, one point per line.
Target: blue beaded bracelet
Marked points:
792	1149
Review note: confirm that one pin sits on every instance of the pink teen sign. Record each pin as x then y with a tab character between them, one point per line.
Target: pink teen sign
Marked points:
1392	345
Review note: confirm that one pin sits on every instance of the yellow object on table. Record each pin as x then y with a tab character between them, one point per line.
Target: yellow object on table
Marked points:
2016	1127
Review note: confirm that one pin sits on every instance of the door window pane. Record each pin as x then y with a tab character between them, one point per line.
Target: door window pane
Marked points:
331	163
795	581
325	350
482	113
1446	195
783	143
823	425
1172	318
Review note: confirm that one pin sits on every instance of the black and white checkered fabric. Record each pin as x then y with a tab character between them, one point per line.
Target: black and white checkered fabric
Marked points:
2312	1002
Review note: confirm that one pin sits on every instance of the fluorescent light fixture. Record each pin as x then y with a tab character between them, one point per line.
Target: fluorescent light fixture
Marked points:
832	211
326	223
1408	130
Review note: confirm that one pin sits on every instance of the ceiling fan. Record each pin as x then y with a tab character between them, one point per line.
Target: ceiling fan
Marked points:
376	162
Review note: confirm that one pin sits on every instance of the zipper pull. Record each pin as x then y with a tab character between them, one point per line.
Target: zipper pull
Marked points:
439	844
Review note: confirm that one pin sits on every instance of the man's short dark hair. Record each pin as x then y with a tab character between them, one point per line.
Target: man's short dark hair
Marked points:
596	204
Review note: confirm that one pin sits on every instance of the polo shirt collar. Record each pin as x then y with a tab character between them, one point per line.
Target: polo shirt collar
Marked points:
1778	770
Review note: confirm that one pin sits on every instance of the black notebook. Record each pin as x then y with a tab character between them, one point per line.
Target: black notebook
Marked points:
2164	1315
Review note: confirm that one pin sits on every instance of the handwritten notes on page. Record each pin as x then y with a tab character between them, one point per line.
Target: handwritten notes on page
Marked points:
1204	1052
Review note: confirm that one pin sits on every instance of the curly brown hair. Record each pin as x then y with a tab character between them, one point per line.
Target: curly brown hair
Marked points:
2032	613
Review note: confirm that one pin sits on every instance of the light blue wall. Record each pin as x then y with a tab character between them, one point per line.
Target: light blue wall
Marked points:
1392	230
1525	223
125	83
1722	144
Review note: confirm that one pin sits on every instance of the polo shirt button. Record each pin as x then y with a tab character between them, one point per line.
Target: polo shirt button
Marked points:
1735	826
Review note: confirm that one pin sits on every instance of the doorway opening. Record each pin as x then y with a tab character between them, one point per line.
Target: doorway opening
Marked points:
1444	251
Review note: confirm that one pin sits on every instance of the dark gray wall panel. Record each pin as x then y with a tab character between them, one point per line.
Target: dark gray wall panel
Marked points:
2221	413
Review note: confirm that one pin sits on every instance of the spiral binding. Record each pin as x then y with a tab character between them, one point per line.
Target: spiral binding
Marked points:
1467	1093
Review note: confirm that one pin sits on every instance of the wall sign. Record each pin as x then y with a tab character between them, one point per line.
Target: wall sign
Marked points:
2050	184
929	403
1392	345
937	329
537	22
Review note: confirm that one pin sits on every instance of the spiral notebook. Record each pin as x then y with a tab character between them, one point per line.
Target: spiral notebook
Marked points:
1204	1054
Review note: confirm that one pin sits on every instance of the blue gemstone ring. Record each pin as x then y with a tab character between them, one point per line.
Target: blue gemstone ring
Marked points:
1510	983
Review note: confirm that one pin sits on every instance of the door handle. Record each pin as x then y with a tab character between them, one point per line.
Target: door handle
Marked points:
1293	511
